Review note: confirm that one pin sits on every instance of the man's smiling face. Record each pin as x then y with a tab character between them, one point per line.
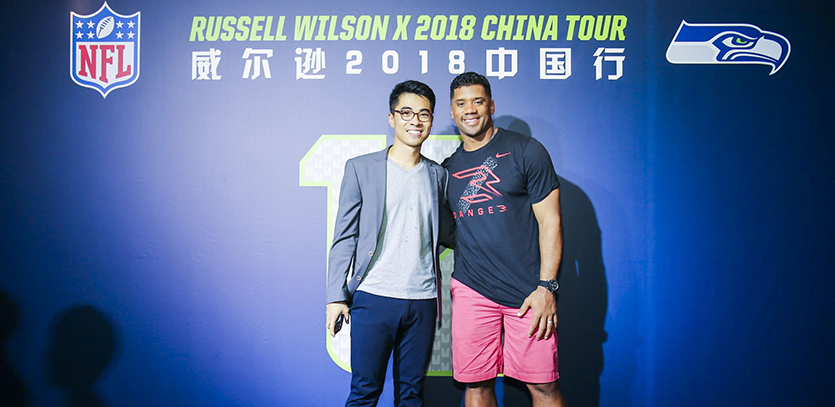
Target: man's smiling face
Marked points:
472	110
411	132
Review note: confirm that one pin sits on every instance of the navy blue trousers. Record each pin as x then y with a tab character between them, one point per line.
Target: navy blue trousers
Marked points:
382	327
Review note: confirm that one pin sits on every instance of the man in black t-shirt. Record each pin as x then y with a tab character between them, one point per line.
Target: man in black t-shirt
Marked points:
504	196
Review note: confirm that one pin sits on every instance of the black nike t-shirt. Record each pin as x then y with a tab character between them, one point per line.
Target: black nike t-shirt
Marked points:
490	192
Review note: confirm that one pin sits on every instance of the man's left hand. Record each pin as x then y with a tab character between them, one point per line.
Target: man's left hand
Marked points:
544	307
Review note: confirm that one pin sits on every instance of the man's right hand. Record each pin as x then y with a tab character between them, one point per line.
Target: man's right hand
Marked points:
334	310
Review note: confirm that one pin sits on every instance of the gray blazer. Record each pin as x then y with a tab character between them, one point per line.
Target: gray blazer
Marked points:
362	199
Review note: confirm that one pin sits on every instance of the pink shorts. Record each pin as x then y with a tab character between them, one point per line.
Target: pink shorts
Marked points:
480	353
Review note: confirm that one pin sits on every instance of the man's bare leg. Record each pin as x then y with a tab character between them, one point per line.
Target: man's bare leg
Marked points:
546	394
481	394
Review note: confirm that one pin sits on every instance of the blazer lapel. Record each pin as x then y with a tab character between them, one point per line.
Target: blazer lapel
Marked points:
378	188
433	188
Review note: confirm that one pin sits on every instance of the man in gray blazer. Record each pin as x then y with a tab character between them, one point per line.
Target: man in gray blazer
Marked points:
384	273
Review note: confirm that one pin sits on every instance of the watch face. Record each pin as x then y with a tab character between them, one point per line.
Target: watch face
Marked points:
551	285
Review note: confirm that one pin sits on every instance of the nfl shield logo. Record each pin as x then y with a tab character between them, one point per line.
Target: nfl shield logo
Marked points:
104	49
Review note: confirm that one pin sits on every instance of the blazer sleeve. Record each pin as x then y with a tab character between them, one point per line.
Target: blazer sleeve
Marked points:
345	235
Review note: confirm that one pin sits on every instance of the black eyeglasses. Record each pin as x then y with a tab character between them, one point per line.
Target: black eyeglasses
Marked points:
407	114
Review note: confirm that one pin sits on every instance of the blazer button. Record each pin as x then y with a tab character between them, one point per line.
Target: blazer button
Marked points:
370	254
359	278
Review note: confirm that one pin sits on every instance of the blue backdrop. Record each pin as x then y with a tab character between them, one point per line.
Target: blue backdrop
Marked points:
166	244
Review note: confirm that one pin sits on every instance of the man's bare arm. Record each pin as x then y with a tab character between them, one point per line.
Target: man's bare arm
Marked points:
541	302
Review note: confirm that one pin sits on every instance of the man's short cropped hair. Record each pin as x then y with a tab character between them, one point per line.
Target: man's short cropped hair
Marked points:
469	79
418	88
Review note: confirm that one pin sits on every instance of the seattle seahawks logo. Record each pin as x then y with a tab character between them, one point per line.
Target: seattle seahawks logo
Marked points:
728	44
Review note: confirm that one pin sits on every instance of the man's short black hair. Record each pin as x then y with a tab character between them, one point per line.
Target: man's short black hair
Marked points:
418	88
469	79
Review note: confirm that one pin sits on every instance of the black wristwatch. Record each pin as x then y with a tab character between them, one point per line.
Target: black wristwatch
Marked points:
550	285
